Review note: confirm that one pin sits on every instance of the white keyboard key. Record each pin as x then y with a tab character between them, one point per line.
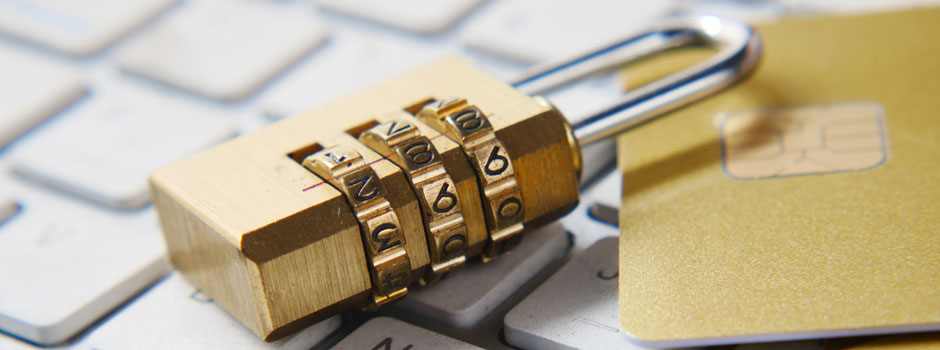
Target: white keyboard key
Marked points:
420	16
66	264
106	148
605	198
467	295
586	229
75	27
534	31
175	315
32	89
575	309
223	49
389	333
347	63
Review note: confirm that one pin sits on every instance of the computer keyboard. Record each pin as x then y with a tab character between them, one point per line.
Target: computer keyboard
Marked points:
34	88
585	291
72	27
222	50
468	294
67	262
419	16
95	95
134	132
532	31
385	332
174	315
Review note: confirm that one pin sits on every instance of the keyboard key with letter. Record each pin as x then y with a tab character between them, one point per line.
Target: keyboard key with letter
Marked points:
575	309
467	295
66	265
389	333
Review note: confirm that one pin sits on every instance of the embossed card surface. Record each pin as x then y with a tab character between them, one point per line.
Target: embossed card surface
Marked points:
802	203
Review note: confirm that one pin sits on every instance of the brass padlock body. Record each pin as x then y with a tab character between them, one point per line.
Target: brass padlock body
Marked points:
280	249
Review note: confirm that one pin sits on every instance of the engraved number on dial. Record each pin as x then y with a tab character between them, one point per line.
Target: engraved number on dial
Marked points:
453	245
495	164
365	190
509	208
445	103
395	128
420	153
377	236
468	120
445	201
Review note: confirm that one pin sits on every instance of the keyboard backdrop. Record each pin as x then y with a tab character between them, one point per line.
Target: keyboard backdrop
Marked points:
96	94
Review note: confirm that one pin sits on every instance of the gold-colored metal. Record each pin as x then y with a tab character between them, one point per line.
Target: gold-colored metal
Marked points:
714	252
343	167
464	177
503	200
279	248
400	141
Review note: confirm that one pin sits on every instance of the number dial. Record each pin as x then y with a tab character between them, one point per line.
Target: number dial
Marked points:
502	197
390	265
401	141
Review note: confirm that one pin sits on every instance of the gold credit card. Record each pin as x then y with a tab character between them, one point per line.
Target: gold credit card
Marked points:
802	203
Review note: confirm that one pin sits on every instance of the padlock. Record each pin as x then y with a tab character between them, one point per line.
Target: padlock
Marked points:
349	204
